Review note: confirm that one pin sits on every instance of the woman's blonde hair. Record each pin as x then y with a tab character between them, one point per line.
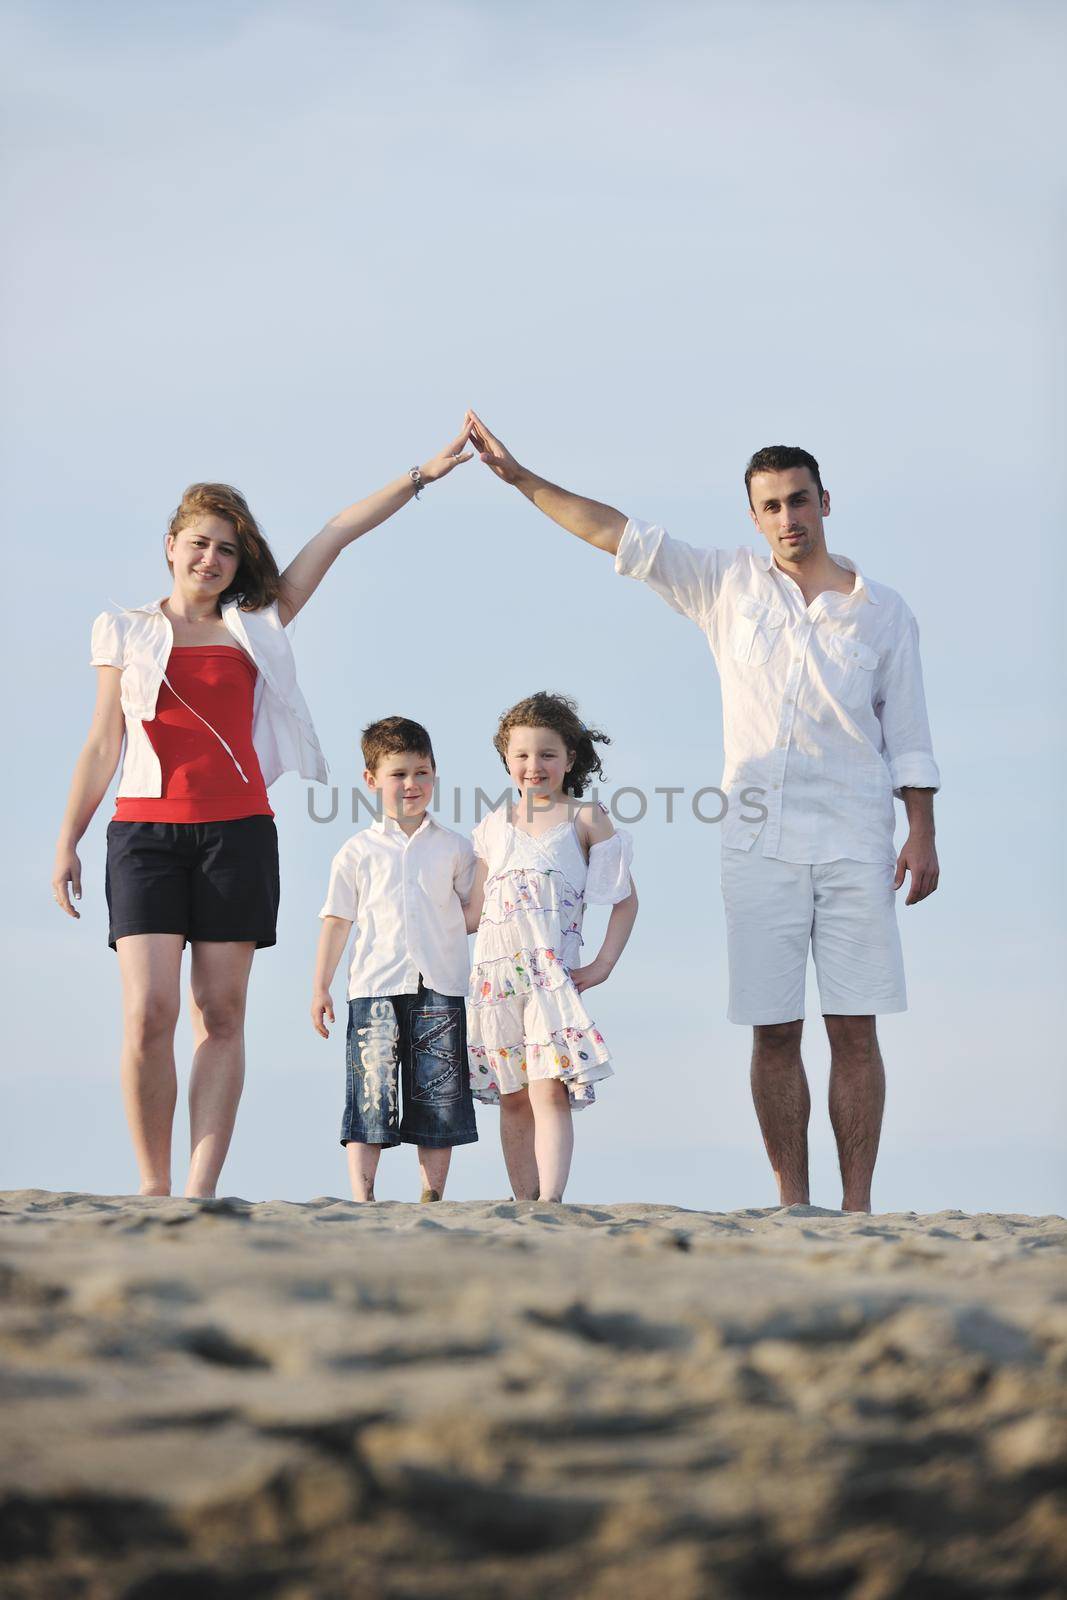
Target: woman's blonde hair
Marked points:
257	581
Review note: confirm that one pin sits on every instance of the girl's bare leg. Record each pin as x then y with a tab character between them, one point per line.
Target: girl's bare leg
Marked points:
219	986
150	968
553	1135
433	1169
517	1143
362	1168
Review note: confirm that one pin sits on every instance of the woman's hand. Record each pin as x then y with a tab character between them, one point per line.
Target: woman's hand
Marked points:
588	977
453	455
322	1012
67	876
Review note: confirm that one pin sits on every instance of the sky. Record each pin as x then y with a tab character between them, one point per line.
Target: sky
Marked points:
286	246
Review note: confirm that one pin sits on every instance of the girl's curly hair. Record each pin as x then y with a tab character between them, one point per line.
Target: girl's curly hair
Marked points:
560	713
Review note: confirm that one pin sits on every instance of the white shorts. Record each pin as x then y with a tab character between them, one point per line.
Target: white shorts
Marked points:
846	912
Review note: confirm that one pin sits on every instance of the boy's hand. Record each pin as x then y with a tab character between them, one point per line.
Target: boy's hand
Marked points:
588	977
322	1012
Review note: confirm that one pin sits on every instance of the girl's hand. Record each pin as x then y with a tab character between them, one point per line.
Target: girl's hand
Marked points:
588	977
322	1012
453	455
67	872
495	455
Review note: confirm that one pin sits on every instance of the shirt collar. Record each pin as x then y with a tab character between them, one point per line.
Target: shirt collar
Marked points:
765	560
387	824
152	608
155	607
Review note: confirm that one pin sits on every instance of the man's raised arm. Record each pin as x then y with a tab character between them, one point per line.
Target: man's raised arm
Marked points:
597	524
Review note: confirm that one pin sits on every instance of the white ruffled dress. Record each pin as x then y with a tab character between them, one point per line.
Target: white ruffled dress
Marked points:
525	1018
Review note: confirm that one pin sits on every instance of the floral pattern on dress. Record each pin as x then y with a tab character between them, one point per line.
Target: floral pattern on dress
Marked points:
526	1020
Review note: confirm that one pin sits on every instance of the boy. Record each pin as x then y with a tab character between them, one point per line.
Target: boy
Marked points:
404	883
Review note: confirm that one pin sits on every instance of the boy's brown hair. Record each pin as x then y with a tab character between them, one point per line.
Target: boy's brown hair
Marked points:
391	736
256	582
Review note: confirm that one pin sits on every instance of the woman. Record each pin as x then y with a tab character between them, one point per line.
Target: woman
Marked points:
202	687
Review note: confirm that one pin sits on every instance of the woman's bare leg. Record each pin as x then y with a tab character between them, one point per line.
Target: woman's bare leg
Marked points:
517	1143
553	1135
219	986
362	1168
150	967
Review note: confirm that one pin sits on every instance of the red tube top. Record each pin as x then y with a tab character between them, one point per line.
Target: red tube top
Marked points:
201	782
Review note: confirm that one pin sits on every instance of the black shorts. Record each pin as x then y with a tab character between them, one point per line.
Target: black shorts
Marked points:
216	881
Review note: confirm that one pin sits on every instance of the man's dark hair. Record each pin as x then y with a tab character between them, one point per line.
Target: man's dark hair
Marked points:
394	736
779	458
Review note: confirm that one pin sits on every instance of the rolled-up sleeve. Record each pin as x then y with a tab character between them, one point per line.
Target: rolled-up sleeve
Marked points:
342	896
687	576
902	713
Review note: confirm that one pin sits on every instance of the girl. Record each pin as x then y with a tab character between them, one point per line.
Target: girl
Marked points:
202	687
533	1046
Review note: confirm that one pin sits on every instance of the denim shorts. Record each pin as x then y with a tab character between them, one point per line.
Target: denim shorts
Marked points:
411	1047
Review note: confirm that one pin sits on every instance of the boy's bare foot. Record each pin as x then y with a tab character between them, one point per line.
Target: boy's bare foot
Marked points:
428	1196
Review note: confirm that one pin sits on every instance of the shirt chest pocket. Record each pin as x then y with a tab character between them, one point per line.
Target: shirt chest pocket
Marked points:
851	667
755	631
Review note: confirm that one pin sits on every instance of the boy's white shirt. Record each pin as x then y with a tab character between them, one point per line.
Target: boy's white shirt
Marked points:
404	894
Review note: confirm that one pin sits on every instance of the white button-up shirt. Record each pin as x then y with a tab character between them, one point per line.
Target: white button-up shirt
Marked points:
823	705
405	894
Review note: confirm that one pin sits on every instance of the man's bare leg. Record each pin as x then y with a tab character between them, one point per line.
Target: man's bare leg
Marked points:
783	1105
362	1168
857	1099
517	1143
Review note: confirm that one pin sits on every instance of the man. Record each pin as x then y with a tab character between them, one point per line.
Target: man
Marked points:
824	713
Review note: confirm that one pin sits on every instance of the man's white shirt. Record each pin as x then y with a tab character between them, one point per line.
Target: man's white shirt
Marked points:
405	894
823	705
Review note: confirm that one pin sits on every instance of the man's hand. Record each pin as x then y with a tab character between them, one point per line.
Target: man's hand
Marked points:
599	525
491	451
919	857
322	1012
453	455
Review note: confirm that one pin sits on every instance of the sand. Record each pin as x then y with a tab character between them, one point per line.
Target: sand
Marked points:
308	1401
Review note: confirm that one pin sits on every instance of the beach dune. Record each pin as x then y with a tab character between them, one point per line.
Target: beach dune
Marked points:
476	1400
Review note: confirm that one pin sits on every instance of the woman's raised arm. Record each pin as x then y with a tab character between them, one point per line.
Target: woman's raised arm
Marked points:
93	771
306	571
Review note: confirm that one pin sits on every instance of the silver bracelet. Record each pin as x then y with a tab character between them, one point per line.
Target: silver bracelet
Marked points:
415	474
